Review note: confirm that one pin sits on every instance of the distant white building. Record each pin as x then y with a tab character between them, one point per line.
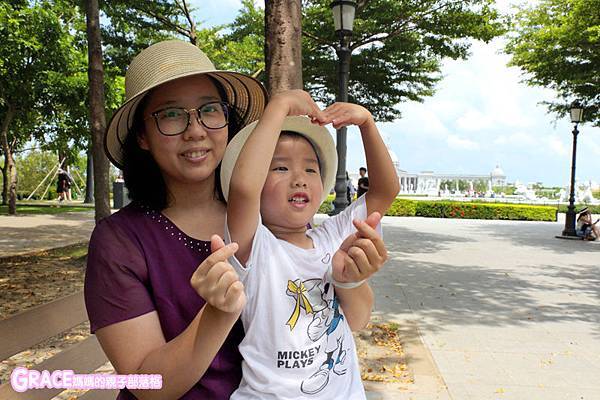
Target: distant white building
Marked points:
429	182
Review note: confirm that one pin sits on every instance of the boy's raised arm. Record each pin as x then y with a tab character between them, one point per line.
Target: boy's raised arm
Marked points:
252	166
383	180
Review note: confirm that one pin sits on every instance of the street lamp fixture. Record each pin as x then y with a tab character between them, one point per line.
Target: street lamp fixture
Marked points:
576	112
343	16
576	118
343	19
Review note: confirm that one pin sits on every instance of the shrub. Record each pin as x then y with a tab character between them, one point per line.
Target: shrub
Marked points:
327	206
449	209
403	208
458	209
593	209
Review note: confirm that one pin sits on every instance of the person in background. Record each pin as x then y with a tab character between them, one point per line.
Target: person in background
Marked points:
587	229
350	189
363	182
63	185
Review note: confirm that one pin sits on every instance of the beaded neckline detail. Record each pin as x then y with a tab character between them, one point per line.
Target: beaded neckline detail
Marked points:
174	232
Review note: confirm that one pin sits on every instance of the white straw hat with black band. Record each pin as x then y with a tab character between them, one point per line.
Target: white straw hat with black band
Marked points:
165	62
317	135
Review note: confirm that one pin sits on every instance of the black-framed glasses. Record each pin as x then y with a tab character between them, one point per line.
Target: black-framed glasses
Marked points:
172	121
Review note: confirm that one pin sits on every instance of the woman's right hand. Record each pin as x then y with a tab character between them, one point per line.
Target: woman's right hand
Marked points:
216	281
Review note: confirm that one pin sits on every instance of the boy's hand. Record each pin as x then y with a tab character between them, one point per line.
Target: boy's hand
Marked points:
216	281
344	114
361	254
298	102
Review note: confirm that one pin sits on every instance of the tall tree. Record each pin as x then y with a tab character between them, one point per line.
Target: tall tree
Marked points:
283	45
397	46
35	42
557	44
97	116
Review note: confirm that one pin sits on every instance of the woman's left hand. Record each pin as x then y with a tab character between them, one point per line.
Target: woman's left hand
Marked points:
361	254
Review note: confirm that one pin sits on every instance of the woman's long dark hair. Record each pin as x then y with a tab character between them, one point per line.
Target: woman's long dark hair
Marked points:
142	175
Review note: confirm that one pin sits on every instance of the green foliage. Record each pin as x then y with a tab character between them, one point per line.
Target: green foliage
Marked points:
507	190
479	185
35	165
397	48
243	48
463	210
43	209
43	75
34	43
457	209
327	206
557	44
403	208
593	209
133	25
550	193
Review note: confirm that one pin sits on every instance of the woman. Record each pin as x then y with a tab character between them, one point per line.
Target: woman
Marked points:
160	295
63	185
169	138
585	228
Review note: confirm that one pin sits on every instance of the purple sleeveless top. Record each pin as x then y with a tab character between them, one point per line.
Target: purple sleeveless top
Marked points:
138	262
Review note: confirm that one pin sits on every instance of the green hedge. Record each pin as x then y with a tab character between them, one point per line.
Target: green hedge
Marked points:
403	208
458	209
450	209
327	205
593	209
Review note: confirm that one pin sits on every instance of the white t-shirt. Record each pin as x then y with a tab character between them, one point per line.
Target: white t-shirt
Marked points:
297	341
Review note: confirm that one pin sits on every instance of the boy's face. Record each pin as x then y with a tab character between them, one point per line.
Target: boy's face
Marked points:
293	188
362	172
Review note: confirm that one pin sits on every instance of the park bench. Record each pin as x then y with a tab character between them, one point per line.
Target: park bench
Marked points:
28	328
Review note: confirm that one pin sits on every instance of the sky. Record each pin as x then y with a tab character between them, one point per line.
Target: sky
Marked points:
481	115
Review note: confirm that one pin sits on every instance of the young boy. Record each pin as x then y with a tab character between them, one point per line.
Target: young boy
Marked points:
305	289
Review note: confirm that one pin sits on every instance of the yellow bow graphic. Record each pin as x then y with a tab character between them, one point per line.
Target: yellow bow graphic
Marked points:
301	301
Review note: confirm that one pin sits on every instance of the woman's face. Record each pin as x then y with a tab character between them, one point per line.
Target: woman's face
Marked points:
192	156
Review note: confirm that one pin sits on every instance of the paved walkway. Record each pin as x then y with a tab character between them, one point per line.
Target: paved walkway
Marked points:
506	310
488	309
24	234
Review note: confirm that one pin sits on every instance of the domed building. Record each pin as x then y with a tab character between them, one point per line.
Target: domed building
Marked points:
430	183
497	176
394	158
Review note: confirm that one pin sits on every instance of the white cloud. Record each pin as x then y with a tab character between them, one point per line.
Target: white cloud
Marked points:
557	146
517	139
482	109
595	147
474	120
456	142
428	125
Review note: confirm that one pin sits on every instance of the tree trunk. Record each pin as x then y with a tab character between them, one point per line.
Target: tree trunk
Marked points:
97	116
4	184
89	178
283	45
10	170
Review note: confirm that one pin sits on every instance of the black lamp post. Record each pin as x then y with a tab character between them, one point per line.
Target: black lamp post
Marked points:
343	19
576	114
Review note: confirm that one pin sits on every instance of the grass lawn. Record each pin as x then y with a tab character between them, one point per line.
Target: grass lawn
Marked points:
43	209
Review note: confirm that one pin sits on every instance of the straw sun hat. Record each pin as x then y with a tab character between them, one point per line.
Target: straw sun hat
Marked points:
317	135
164	62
